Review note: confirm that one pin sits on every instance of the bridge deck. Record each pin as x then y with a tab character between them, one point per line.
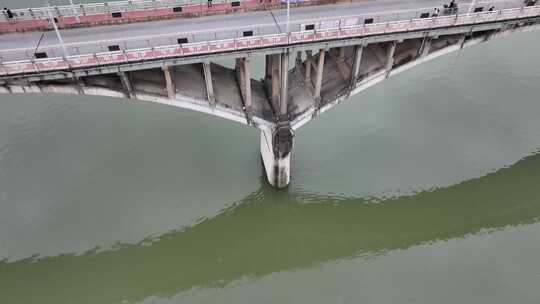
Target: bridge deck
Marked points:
20	46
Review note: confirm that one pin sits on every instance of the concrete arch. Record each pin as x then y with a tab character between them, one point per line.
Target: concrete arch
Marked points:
383	74
110	86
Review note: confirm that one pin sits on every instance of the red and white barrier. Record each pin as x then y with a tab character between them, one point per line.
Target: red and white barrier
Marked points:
255	42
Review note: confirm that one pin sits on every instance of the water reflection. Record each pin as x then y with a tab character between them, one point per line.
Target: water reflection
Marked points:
270	231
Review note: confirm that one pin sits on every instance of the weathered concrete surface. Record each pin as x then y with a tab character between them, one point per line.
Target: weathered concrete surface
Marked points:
190	83
276	165
150	85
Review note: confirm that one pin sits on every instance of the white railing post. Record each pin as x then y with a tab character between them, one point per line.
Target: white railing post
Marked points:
386	27
74	11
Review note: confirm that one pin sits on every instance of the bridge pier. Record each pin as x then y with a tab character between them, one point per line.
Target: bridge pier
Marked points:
276	148
276	144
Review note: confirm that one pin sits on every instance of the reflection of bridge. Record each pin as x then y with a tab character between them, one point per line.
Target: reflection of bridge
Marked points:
257	238
338	53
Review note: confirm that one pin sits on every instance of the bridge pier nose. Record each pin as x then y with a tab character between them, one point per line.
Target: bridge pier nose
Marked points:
276	149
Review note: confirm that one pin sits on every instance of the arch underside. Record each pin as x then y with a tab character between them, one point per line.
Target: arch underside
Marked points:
337	87
191	92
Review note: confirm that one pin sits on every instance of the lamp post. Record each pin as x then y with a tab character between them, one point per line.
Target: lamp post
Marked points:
51	18
74	11
288	14
471	8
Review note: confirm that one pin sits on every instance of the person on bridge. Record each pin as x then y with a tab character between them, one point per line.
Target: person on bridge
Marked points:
8	13
451	8
435	12
209	3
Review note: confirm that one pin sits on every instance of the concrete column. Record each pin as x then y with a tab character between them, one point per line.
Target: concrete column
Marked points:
341	53
318	79
169	81
357	60
244	81
461	41
390	57
283	99
299	57
239	69
276	148
426	46
308	66
209	85
268	75
268	66
275	81
126	84
247	86
80	84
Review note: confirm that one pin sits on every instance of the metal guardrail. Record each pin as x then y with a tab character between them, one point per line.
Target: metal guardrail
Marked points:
254	42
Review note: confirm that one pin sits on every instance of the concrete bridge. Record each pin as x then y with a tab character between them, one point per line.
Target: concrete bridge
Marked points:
325	56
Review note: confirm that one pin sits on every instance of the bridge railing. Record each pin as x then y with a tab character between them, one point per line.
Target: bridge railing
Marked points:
255	42
208	34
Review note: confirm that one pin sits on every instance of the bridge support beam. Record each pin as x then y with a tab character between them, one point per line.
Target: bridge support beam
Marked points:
426	47
268	74
318	78
390	57
341	54
284	96
126	84
299	57
276	148
355	71
209	85
308	66
243	76
273	83
169	82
